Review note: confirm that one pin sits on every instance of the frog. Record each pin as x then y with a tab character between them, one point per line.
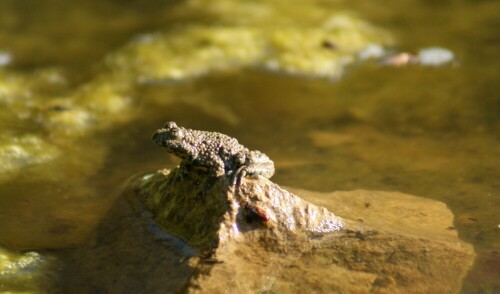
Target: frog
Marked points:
217	153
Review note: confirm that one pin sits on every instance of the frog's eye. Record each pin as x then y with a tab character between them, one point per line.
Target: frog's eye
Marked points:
178	134
170	125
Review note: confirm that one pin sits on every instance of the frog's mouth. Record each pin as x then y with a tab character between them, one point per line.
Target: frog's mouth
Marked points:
158	137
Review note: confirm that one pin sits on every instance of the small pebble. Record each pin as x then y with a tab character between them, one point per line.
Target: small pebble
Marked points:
400	59
5	58
372	51
434	56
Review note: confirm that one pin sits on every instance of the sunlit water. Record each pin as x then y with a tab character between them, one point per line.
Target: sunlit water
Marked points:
431	132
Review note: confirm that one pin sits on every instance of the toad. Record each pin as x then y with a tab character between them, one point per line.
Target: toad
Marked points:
217	153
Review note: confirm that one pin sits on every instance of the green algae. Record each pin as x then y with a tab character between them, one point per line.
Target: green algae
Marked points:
22	272
189	53
19	152
292	49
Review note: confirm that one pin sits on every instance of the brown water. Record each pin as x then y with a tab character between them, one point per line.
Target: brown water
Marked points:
431	132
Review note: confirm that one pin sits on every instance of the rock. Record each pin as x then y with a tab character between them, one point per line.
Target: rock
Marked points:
399	59
435	56
258	237
372	51
226	213
5	58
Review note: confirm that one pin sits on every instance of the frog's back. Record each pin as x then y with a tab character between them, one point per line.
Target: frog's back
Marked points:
215	143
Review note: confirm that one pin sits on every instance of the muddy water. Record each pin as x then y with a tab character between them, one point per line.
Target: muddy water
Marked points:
431	132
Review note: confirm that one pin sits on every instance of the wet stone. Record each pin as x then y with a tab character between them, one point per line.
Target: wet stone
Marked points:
196	229
185	230
435	56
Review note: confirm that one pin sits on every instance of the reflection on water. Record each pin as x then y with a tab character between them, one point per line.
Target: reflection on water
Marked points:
431	132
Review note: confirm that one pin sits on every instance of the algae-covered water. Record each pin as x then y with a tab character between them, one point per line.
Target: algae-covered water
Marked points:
83	85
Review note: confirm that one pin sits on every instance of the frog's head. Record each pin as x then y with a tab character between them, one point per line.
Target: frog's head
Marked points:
171	138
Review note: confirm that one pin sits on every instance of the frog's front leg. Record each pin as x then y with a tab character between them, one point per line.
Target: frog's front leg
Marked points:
216	166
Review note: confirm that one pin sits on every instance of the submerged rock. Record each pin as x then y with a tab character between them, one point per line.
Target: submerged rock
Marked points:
435	56
184	231
431	57
5	58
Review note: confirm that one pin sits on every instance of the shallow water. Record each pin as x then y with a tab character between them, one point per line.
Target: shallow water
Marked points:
431	132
